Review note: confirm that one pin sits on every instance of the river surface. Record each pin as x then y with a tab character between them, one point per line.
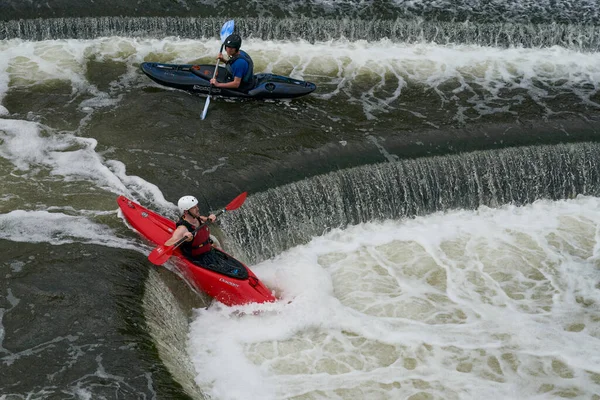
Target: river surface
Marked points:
429	216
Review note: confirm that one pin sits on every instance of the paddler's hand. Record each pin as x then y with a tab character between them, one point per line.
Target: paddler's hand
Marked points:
214	82
220	57
210	218
188	237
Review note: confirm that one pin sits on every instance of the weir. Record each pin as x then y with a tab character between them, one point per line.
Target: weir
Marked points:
278	219
288	215
167	303
416	30
574	11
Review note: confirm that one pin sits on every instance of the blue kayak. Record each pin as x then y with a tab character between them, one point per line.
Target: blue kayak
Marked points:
196	78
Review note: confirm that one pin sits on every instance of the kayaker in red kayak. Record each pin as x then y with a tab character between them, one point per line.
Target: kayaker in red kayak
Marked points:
190	219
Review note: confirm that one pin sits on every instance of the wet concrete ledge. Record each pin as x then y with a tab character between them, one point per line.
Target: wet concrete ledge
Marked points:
283	168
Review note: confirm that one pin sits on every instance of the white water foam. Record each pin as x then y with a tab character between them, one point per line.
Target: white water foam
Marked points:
371	74
59	228
493	303
39	152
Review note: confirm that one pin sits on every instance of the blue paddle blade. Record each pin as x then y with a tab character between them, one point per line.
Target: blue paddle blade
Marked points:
203	115
227	29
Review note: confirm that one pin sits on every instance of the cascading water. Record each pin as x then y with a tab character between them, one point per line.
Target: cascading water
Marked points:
575	35
290	215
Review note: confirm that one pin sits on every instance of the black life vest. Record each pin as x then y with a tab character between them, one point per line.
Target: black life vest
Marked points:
248	79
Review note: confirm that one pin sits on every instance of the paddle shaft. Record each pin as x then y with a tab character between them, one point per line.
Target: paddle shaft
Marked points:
226	30
205	110
216	69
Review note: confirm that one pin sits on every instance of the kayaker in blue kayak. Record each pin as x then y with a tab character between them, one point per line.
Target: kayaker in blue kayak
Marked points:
191	219
240	68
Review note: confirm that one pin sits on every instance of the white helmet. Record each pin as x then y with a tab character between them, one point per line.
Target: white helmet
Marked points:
186	202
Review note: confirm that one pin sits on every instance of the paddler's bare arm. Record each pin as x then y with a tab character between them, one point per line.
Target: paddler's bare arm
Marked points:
229	85
180	232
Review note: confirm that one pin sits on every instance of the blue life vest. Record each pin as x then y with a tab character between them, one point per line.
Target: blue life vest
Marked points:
248	79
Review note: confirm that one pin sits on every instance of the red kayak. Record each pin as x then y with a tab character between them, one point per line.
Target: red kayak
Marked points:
221	276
